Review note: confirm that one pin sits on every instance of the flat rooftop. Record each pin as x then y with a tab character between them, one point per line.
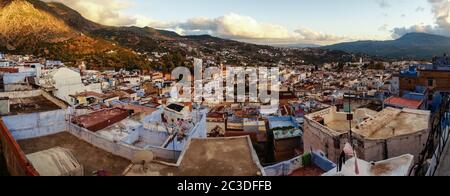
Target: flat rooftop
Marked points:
398	166
31	105
209	157
311	170
120	130
403	102
340	126
388	123
89	156
393	122
100	119
89	94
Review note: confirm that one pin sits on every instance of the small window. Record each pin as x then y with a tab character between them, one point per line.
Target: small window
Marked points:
430	82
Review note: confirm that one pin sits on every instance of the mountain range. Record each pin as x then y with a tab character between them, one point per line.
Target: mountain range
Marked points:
409	46
55	31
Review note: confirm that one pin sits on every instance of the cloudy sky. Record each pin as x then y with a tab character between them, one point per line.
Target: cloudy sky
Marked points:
276	21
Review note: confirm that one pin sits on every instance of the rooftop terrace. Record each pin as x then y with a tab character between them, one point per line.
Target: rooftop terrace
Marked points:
341	126
311	170
403	102
31	105
369	124
34	101
100	119
398	166
90	157
208	157
393	122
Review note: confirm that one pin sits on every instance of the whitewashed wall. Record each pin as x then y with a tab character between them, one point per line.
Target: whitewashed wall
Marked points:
36	125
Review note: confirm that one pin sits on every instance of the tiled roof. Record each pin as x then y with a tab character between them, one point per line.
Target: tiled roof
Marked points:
402	102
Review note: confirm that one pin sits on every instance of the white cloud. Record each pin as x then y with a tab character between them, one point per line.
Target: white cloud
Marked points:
107	12
229	26
383	27
245	28
310	35
441	11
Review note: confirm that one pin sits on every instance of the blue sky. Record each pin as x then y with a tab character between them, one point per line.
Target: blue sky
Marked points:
340	16
308	21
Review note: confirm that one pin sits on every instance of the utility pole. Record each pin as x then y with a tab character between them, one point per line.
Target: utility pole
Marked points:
350	118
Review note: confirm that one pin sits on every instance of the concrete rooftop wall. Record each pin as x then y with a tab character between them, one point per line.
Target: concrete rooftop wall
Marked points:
199	131
320	138
21	94
119	149
36	124
14	78
154	138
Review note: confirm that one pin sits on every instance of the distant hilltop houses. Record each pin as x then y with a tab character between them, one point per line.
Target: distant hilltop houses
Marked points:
442	61
117	122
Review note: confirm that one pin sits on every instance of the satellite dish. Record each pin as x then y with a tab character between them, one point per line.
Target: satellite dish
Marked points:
143	157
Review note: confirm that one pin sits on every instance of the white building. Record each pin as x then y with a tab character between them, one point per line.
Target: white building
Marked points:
175	112
49	63
133	80
65	82
395	85
376	135
397	166
20	81
4	63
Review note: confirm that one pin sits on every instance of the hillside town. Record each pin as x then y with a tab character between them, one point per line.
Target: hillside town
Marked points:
333	119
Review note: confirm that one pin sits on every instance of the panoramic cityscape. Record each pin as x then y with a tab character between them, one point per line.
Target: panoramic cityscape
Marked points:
224	88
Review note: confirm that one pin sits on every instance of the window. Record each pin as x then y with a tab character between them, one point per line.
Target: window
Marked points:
430	82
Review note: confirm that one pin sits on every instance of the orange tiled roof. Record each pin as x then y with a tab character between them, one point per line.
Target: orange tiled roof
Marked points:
402	102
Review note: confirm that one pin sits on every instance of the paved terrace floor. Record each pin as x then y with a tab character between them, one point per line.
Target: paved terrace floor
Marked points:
92	158
340	126
32	105
230	157
393	122
308	171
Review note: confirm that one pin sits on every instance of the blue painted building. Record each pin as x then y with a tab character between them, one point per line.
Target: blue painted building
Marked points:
287	137
422	80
